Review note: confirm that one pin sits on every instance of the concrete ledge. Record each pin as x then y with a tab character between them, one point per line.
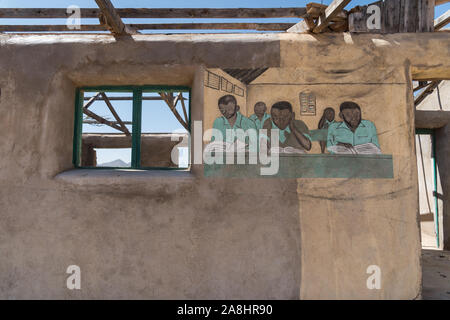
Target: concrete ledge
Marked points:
121	176
432	119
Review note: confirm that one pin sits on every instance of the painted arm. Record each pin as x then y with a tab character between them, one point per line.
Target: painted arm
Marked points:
374	135
301	138
268	126
321	123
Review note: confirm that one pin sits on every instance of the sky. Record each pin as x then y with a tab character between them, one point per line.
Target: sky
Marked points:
157	110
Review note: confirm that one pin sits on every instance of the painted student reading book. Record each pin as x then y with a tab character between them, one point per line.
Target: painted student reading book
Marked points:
353	135
366	148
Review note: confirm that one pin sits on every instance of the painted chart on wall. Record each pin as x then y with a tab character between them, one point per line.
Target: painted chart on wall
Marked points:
312	134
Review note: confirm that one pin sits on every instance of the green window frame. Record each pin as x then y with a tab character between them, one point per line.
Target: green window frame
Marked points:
136	119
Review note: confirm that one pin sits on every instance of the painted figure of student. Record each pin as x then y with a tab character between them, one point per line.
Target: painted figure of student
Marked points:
324	123
260	115
352	131
292	133
231	118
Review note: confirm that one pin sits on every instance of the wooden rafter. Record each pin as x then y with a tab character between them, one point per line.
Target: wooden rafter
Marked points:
180	98
111	18
335	21
156	13
428	90
421	85
118	124
330	12
91	100
169	99
153	26
114	113
101	120
315	18
442	21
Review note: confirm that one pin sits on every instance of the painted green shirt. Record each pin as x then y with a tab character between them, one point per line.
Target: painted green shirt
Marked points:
287	139
242	122
339	132
259	123
329	123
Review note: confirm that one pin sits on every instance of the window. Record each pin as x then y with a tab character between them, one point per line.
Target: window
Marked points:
307	103
142	127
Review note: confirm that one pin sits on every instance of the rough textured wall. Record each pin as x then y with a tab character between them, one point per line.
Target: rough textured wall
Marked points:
156	235
177	235
347	223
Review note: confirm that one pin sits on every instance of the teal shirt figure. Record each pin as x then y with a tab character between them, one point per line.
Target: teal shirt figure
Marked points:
339	132
329	123
259	123
242	122
286	132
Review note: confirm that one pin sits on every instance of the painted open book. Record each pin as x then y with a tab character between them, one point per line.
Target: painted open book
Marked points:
288	150
226	147
366	148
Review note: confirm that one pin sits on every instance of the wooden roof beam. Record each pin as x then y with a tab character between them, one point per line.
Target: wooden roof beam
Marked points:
318	17
152	26
156	13
330	12
439	2
112	19
428	90
442	21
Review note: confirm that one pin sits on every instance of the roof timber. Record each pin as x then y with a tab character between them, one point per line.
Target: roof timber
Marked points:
315	17
111	19
156	13
153	26
442	21
428	90
330	12
320	17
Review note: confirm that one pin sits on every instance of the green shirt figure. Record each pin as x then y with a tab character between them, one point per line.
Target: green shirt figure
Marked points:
352	131
292	133
231	119
260	115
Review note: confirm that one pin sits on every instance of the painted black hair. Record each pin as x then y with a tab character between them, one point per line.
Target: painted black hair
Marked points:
227	99
327	109
349	105
282	105
260	103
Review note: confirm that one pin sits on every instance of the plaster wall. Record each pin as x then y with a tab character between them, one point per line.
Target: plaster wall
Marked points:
180	235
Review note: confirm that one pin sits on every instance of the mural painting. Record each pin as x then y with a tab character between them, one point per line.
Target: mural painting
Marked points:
348	144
